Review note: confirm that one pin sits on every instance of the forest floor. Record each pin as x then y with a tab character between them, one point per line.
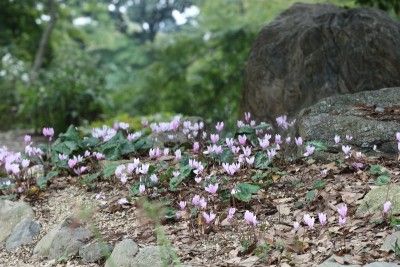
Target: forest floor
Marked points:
233	243
287	192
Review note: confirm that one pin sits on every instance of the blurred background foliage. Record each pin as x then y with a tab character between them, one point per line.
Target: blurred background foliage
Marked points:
74	62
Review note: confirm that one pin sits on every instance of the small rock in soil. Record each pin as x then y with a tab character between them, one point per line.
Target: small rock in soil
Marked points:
22	234
95	252
123	254
390	241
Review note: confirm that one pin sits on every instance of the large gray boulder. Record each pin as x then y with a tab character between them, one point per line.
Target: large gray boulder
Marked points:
371	117
312	51
11	213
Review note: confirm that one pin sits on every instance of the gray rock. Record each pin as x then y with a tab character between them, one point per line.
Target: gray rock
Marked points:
331	262
390	241
374	199
23	233
11	213
95	252
381	264
123	254
354	114
63	241
149	256
312	51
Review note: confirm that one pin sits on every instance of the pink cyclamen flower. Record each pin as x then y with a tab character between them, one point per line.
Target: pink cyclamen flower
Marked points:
27	139
86	154
196	200
144	169
246	151
242	139
271	154
282	121
342	220
214	138
142	188
342	210
346	150
196	147
349	137
62	157
72	162
398	136
235	149
48	132
264	143
182	205
247	116
229	142
298	141
178	155
336	139
309	151
81	170
231	212
165	152
322	218
211	188
250	161
250	218
153	178
25	163
278	139
99	156
202	203
122	201
208	217
309	221
219	126
386	206
398	146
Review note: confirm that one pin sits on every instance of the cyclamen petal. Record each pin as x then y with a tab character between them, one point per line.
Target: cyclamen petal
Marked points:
386	206
209	217
322	218
342	210
211	188
250	218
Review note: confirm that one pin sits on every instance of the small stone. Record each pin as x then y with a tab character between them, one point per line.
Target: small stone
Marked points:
390	241
331	262
123	254
64	241
149	256
381	264
95	252
22	234
11	213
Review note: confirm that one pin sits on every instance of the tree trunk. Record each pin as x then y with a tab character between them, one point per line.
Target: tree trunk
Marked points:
44	41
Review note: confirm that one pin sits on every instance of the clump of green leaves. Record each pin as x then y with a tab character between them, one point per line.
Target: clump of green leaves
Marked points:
382	174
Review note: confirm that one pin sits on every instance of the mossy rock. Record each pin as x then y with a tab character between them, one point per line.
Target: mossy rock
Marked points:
374	199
